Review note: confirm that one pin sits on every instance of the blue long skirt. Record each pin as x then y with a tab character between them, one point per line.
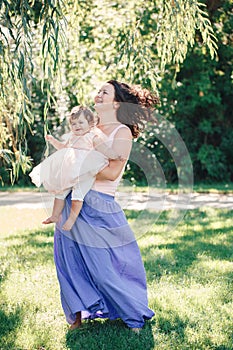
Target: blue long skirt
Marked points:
99	265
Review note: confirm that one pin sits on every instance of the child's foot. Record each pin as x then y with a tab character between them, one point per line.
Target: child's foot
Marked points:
68	224
77	323
52	219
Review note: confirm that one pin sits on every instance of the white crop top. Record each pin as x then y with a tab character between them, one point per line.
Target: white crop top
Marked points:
108	186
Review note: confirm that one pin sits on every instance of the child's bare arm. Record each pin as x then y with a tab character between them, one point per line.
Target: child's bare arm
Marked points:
54	142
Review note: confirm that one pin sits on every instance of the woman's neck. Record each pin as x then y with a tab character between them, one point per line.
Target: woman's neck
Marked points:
108	122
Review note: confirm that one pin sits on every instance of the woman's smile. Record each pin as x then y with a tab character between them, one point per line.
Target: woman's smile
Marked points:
105	95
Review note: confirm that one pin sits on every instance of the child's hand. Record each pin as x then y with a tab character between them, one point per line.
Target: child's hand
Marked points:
49	138
121	159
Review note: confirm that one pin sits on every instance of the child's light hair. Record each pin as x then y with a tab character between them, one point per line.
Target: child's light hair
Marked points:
78	110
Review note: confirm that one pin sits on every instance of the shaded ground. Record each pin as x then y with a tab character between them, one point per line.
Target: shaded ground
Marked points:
128	200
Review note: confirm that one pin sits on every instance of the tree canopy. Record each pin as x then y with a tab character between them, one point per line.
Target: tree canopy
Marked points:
54	53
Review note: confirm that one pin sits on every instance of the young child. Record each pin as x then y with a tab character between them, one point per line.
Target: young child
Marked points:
74	164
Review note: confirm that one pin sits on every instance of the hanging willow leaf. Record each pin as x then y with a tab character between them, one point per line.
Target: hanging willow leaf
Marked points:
177	28
18	64
80	39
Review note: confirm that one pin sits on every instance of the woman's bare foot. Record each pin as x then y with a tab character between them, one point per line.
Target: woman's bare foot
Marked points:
52	219
69	223
136	330
77	323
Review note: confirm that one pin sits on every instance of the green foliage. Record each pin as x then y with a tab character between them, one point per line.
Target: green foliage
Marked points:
177	26
133	41
29	52
201	104
212	160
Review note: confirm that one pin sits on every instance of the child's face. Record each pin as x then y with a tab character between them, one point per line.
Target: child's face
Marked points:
79	126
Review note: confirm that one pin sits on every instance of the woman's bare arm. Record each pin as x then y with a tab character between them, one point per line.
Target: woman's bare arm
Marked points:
112	171
102	146
122	145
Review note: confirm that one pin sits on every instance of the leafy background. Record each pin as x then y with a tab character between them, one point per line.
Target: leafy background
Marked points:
54	55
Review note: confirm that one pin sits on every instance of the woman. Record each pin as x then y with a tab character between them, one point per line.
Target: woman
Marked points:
98	262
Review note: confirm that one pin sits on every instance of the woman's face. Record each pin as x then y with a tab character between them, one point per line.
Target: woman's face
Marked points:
105	97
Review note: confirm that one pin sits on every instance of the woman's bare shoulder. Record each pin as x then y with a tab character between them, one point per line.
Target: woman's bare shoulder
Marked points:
97	132
124	131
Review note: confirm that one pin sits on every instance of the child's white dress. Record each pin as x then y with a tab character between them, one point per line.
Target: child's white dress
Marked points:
77	163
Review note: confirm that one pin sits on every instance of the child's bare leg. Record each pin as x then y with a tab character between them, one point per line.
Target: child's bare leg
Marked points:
77	322
58	206
75	209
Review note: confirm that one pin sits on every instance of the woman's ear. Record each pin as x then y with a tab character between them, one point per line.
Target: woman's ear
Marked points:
116	105
96	120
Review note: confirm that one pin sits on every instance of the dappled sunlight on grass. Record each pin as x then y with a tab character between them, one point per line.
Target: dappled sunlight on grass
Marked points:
15	219
190	281
110	335
29	284
192	315
215	267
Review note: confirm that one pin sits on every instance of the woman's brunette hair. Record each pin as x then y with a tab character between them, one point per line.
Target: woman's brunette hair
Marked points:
136	106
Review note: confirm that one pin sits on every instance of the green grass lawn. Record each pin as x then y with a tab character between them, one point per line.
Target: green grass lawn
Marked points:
190	285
